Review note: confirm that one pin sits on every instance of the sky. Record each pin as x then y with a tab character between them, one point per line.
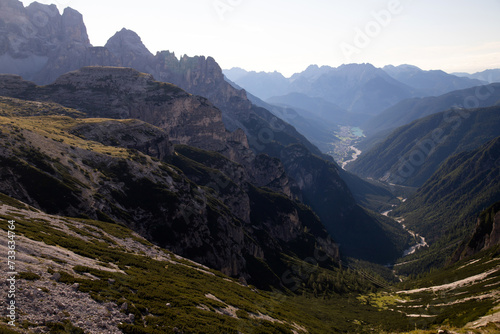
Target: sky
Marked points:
289	35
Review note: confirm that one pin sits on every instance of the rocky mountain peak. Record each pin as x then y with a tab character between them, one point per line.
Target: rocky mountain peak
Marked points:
190	72
12	5
31	36
358	72
73	27
39	13
128	45
25	27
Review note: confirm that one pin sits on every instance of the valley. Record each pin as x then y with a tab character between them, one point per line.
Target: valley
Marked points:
418	239
142	192
344	150
354	156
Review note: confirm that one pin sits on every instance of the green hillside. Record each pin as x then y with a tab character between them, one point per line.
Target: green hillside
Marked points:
409	110
445	208
413	152
126	284
164	293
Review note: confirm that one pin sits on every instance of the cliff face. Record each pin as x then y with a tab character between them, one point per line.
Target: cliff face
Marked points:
194	202
109	92
132	134
32	38
486	234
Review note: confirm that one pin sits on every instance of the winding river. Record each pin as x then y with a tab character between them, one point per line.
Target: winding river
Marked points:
420	239
355	156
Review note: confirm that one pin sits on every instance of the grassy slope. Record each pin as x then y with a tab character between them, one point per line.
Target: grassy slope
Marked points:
147	284
166	292
452	298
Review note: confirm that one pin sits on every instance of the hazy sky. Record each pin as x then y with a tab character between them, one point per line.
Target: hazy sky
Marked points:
289	35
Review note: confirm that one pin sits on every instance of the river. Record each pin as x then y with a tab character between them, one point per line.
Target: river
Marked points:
355	156
420	239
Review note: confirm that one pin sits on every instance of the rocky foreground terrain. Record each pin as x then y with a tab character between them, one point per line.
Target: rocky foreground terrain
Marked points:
85	276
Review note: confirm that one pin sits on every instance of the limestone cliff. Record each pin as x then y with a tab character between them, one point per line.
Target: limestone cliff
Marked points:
132	134
485	236
110	92
33	37
54	159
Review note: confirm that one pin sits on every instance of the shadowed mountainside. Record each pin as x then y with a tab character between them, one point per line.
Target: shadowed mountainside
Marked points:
412	153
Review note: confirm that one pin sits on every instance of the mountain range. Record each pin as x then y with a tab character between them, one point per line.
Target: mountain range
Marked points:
354	95
93	90
356	88
352	88
490	76
154	194
430	83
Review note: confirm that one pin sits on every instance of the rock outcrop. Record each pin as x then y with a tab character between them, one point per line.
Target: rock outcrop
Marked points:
95	168
485	236
132	134
122	93
32	38
111	92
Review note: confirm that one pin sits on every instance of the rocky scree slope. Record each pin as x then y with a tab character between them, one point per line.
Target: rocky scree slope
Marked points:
87	276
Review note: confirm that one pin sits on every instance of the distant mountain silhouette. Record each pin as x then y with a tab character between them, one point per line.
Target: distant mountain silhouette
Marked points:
261	84
430	83
358	88
412	109
318	108
490	76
